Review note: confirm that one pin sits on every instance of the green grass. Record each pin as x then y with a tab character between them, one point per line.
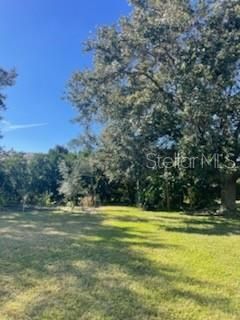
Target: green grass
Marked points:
119	263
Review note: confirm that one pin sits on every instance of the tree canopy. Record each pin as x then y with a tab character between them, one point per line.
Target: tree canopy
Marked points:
168	72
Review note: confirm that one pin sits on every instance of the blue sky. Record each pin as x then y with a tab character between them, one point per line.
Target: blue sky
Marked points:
42	39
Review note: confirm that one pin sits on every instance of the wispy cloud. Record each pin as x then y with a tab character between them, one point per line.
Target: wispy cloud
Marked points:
7	126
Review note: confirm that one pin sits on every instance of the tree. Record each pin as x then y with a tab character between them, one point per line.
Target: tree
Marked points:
77	179
45	174
210	87
32	179
7	78
14	184
169	71
127	88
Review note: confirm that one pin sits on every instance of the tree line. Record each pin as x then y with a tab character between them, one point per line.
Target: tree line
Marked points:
59	177
165	81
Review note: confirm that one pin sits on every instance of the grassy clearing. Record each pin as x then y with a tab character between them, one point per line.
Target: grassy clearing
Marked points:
119	263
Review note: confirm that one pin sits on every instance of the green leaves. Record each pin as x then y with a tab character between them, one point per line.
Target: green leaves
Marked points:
170	69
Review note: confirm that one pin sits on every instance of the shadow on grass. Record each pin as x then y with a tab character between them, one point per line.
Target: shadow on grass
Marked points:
95	267
207	226
202	224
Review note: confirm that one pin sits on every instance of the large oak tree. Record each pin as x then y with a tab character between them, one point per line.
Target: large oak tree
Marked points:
168	71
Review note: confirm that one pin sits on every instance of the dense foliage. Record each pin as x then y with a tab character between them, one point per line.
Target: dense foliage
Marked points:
164	86
165	80
57	178
30	178
7	79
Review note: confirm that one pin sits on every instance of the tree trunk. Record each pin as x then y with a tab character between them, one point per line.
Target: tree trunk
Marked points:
93	196
138	200
228	194
167	191
167	196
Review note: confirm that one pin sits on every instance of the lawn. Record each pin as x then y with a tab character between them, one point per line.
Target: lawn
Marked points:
118	263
